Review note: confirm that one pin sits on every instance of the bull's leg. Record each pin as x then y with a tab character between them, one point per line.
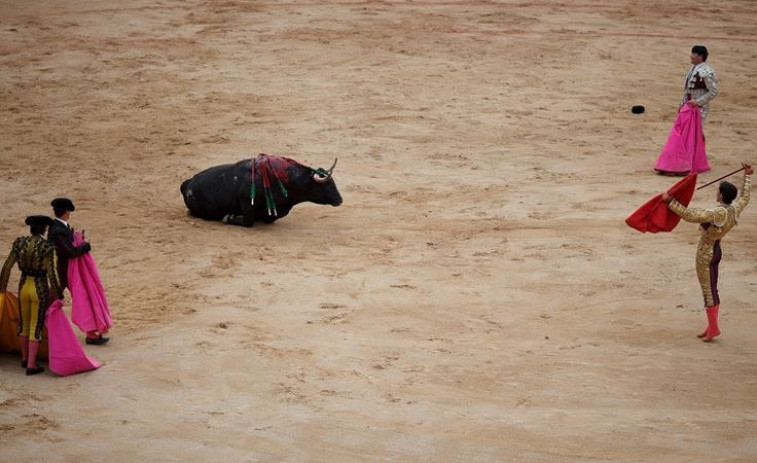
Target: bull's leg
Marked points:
246	219
248	213
232	219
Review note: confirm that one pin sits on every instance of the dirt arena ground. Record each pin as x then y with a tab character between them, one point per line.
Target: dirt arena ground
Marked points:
476	298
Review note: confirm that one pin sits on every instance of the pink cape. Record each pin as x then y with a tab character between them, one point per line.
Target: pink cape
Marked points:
684	151
89	307
655	215
66	355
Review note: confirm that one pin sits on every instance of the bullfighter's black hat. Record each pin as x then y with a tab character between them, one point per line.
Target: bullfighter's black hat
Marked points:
39	220
637	109
63	203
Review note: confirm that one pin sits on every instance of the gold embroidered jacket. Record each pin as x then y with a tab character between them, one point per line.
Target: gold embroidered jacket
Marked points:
720	219
715	223
36	259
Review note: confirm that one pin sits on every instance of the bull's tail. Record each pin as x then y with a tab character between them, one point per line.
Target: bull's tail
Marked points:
184	186
189	200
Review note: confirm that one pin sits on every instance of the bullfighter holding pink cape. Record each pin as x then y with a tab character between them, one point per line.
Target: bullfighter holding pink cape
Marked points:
89	306
684	152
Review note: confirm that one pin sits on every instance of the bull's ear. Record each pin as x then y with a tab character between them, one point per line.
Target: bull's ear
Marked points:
321	176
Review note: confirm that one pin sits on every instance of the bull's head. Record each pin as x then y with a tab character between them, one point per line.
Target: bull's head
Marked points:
327	192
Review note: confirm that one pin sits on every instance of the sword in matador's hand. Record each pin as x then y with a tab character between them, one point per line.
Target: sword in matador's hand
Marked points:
743	167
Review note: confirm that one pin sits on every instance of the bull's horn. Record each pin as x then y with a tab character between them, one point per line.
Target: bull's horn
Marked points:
331	169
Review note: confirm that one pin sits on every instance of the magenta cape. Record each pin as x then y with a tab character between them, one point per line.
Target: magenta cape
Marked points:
684	151
655	216
66	355
89	307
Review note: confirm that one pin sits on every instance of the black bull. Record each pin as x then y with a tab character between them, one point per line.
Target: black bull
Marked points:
225	192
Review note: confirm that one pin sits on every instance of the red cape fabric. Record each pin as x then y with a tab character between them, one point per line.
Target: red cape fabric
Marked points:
655	216
66	354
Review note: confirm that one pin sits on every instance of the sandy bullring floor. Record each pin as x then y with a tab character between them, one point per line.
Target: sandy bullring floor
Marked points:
476	298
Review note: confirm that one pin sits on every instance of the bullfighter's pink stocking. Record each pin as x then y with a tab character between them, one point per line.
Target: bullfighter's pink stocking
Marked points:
33	348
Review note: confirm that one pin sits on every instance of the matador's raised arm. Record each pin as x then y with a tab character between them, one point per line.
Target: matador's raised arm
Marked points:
746	189
716	216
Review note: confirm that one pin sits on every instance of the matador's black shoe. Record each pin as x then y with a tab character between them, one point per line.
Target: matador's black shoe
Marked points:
97	341
34	371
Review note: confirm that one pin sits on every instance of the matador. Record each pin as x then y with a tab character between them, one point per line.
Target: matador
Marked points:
37	261
701	84
715	223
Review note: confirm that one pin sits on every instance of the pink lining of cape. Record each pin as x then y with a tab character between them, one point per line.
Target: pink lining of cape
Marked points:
66	354
89	306
684	152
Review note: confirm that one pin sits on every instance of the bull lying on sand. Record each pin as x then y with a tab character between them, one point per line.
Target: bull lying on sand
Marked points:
227	192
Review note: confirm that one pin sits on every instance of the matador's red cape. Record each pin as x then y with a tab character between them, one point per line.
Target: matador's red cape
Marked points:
655	216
